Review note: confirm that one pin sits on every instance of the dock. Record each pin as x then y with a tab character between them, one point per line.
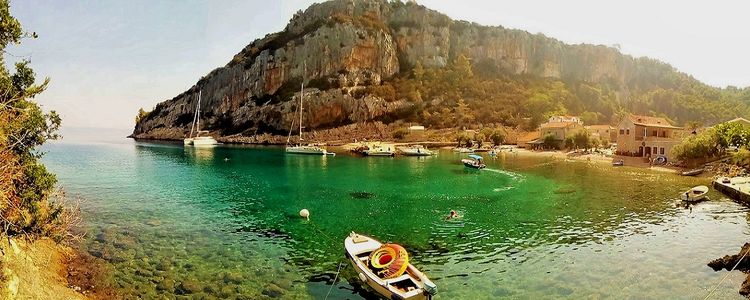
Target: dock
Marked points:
738	188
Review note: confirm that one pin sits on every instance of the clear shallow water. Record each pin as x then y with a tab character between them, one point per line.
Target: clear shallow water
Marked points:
223	223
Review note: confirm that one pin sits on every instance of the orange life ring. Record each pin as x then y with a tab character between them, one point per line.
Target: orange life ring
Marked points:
390	260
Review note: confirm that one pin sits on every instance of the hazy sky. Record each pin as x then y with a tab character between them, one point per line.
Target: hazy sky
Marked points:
108	58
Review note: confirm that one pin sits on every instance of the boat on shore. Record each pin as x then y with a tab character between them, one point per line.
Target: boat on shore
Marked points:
618	163
386	269
417	150
692	172
695	194
379	151
463	150
474	161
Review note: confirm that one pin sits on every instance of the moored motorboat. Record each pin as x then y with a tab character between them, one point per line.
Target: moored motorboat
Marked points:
417	150
386	269
463	150
692	172
474	161
379	151
697	193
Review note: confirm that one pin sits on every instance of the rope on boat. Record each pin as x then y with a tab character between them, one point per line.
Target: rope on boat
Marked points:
334	281
725	276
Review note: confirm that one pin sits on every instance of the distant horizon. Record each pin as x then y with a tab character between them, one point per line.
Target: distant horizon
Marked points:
111	58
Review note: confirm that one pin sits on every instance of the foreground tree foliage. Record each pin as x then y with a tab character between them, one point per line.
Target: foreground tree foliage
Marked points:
26	187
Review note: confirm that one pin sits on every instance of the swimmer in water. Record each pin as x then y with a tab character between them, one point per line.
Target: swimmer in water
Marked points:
452	215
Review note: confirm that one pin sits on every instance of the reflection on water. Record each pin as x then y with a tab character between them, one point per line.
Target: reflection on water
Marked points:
224	222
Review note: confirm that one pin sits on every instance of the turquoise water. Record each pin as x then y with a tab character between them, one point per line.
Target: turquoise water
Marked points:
223	223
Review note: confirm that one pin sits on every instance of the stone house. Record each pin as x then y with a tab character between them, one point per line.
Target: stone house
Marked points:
643	136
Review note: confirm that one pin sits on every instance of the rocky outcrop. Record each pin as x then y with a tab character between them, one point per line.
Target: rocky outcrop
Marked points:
740	262
342	46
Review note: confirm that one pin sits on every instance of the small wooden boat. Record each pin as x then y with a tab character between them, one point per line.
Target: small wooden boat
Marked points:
475	162
697	193
618	163
410	284
692	172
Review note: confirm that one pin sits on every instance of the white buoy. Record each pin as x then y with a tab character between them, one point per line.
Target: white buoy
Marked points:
304	213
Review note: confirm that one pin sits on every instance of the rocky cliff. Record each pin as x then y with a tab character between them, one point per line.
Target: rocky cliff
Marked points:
341	47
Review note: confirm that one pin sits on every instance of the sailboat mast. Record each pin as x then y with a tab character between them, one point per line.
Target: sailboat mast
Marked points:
198	114
301	97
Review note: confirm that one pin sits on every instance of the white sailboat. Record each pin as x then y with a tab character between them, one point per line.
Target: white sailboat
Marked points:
299	148
201	138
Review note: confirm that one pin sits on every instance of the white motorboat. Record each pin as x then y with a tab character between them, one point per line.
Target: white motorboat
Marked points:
379	151
417	150
299	148
198	140
476	162
463	150
697	193
386	269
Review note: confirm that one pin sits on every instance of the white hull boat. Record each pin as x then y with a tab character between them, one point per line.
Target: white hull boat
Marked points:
299	148
416	151
314	150
695	194
379	152
204	141
407	283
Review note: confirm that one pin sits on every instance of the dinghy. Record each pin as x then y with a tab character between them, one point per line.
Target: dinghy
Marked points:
692	172
697	193
386	269
475	162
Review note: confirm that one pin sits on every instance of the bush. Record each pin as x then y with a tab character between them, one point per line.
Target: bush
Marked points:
400	133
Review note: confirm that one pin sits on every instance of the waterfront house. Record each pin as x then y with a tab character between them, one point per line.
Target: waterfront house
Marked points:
560	130
606	133
527	140
644	136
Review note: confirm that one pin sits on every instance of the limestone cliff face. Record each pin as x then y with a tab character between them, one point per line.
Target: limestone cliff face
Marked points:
341	46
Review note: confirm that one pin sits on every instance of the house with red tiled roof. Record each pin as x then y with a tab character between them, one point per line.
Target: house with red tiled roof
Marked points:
645	136
527	140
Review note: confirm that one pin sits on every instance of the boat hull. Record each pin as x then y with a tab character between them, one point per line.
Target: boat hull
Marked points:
379	153
358	247
473	164
306	150
695	194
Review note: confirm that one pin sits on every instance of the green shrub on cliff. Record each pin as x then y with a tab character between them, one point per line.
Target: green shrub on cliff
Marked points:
26	187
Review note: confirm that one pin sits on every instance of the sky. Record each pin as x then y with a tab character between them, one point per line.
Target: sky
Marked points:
107	58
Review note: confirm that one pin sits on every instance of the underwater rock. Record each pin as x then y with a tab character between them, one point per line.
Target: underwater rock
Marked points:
166	285
188	286
233	277
273	291
283	283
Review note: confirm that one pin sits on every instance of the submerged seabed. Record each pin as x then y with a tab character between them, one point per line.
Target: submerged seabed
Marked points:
223	223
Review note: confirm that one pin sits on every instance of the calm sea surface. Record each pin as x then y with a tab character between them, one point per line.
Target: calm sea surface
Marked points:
223	223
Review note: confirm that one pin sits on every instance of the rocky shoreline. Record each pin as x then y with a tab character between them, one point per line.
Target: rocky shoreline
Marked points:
65	272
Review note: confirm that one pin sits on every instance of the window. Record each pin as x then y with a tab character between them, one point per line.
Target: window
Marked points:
622	131
655	133
627	131
661	151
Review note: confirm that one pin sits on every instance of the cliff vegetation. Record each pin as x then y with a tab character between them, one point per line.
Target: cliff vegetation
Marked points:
367	61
